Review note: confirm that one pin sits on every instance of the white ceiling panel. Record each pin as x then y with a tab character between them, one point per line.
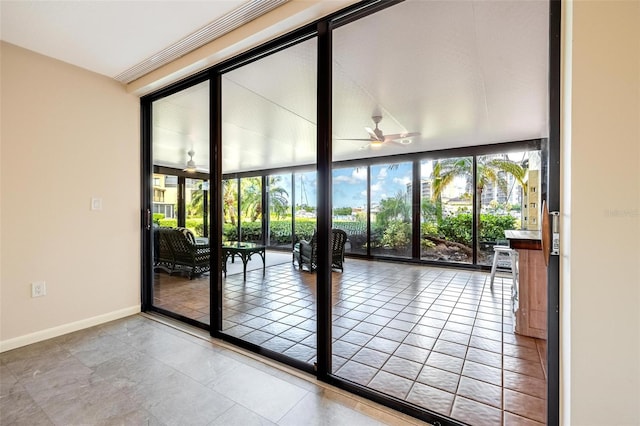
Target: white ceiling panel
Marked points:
107	37
460	73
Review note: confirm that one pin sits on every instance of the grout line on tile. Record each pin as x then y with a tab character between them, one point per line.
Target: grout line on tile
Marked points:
286	369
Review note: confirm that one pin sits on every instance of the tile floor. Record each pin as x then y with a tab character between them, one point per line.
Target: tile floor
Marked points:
438	338
138	371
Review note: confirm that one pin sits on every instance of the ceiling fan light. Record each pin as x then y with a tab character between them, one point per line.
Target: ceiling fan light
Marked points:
191	165
376	143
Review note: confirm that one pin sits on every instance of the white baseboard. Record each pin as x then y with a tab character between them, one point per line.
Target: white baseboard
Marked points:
38	336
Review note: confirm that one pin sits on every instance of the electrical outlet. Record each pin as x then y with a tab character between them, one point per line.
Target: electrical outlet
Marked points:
38	289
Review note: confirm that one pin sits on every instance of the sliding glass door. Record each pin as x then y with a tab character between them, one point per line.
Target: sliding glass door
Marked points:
418	174
268	121
179	223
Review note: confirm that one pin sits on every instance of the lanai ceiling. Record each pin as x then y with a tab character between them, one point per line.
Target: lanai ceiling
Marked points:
459	73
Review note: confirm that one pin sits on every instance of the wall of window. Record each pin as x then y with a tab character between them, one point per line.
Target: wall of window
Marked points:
391	211
446	209
378	196
280	218
305	204
447	206
350	206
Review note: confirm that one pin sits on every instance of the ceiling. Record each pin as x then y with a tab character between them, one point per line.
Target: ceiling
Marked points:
122	39
459	73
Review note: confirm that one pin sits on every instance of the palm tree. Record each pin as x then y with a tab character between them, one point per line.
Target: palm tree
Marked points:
197	199
278	197
489	171
230	200
393	209
251	198
444	172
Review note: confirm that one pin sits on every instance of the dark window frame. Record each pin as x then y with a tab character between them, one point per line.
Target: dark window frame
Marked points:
322	29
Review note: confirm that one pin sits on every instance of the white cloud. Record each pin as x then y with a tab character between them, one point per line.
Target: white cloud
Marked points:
382	174
426	168
343	178
402	181
359	173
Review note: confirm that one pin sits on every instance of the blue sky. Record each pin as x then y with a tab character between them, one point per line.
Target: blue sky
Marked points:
350	185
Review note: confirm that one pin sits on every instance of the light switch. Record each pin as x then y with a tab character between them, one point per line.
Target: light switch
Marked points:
96	203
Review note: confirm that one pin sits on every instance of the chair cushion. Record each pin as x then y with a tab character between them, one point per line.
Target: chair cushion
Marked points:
187	234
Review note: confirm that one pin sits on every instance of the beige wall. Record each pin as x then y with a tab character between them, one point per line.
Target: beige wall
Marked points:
601	193
67	135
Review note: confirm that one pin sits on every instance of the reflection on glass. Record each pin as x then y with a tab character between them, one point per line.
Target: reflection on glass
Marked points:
349	211
391	209
446	209
280	219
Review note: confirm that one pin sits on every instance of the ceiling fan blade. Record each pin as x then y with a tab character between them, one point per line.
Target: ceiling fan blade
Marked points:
396	136
372	133
354	139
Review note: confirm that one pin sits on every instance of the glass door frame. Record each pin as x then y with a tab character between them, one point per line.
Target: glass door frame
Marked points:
146	194
322	29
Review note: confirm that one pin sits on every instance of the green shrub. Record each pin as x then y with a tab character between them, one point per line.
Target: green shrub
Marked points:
171	223
305	228
280	231
396	235
492	226
427	244
195	225
229	232
157	217
458	227
429	228
251	231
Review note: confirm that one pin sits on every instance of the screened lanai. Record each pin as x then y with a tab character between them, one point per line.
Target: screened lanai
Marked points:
419	129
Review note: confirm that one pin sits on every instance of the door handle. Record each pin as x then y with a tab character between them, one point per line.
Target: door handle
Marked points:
555	233
147	220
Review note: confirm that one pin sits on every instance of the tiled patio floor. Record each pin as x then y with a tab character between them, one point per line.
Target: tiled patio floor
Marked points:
438	338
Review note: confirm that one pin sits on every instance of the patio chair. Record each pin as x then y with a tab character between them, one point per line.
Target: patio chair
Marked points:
177	251
306	252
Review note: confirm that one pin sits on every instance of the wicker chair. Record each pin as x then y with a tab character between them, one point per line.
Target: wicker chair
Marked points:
178	252
306	252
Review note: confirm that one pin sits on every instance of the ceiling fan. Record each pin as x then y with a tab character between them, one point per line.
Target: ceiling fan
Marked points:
191	165
377	138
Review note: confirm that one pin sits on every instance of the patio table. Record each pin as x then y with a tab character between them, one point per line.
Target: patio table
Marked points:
244	251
